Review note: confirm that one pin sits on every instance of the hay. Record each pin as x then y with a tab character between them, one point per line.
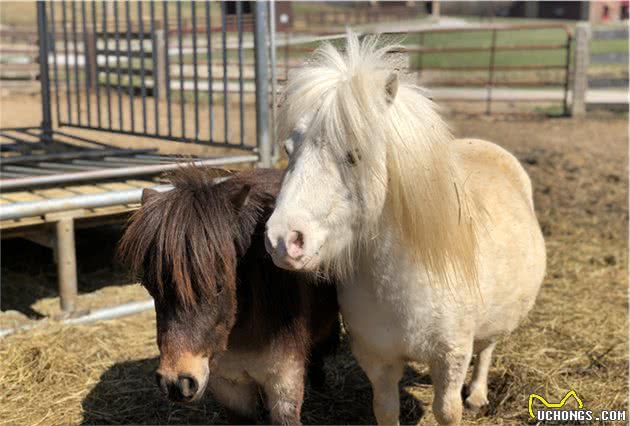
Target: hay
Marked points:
576	337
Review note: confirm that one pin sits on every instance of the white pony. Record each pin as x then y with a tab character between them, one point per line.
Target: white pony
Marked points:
436	239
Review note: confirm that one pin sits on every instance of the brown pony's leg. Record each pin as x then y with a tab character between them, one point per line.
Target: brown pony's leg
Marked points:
238	399
316	374
234	418
326	345
285	394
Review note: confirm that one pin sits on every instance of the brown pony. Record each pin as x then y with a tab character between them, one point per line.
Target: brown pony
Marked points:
228	319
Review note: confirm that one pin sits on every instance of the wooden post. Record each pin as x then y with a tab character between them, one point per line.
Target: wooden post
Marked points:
435	10
66	263
579	80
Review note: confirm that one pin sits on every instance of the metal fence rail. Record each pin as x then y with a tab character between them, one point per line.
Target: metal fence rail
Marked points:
487	75
18	62
491	68
613	65
357	15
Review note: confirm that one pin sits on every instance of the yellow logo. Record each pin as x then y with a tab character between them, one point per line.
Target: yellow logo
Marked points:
560	404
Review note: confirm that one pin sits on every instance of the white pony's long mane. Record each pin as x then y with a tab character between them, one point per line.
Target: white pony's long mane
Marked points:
344	94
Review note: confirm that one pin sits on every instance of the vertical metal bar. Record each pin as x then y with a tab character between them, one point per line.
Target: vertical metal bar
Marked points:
77	76
129	66
118	70
54	52
567	67
108	85
66	55
87	66
262	85
193	12
226	127
155	70
420	56
241	101
143	86
42	27
96	74
167	66
490	82
209	57
274	77
180	51
287	46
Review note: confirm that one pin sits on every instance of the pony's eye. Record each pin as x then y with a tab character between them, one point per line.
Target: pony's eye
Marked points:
288	147
352	158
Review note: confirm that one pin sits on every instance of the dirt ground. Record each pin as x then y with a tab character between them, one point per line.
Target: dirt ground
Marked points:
20	110
575	338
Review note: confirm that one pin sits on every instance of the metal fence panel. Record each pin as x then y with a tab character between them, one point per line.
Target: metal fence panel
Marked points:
189	67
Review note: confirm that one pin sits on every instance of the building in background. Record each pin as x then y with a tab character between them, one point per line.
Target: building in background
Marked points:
596	11
608	11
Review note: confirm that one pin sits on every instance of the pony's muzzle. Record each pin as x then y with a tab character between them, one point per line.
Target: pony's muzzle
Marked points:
287	251
182	389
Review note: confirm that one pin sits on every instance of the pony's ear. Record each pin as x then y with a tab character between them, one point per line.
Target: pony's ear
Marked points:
240	198
391	87
147	194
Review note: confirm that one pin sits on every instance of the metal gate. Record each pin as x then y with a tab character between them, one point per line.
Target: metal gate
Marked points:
193	72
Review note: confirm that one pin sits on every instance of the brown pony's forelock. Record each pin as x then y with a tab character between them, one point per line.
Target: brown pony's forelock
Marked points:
185	241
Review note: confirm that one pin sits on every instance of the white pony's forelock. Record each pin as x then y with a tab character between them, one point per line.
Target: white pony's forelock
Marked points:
344	93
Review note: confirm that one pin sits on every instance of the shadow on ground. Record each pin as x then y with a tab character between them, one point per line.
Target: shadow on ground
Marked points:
126	394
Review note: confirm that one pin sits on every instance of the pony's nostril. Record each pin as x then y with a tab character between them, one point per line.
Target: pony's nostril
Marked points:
295	244
188	386
161	382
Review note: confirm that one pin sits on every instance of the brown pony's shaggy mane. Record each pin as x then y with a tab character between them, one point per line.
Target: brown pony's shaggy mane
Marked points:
185	242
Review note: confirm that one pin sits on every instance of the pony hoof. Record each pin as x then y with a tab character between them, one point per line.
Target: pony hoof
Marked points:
475	401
